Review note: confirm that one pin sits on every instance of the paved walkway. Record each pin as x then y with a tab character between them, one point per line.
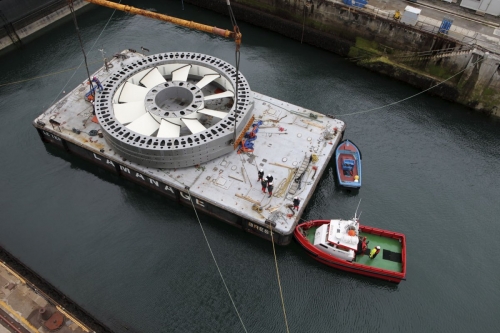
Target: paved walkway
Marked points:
467	26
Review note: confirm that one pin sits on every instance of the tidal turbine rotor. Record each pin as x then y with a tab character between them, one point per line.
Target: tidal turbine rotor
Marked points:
173	110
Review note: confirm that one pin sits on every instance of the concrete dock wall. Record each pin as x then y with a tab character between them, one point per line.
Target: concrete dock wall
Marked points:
415	55
23	19
51	293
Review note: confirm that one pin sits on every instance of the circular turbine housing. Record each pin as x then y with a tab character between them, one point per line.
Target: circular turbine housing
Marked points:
173	110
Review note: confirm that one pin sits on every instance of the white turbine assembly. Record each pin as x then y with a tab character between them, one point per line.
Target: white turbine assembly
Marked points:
174	109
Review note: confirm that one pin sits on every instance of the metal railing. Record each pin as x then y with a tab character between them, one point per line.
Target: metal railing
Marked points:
37	15
459	36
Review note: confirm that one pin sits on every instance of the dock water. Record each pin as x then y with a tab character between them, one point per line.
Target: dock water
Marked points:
137	261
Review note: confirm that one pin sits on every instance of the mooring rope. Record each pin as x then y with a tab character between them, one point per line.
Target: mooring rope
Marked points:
215	261
410	97
81	63
42	76
279	280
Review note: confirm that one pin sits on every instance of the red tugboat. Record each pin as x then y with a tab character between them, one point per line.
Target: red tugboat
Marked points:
347	245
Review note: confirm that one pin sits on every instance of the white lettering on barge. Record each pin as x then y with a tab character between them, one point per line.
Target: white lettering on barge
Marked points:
187	197
258	227
52	136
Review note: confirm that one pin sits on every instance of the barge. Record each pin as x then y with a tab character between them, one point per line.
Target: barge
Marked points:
187	125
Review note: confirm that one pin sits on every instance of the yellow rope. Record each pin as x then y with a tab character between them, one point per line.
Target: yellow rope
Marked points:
42	76
215	261
283	185
279	281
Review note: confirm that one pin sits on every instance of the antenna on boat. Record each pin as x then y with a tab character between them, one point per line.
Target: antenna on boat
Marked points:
356	213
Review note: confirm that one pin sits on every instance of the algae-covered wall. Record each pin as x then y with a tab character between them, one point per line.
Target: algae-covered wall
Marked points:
381	44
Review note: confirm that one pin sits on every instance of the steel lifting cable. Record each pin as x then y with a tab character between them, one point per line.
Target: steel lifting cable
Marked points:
72	10
279	280
237	37
98	37
215	261
237	56
407	98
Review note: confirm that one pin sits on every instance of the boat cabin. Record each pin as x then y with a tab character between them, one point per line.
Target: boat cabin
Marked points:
348	166
338	238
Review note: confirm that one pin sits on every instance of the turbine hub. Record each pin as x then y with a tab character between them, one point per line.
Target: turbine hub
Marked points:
174	99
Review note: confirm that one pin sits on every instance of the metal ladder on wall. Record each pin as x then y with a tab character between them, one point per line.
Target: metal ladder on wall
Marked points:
11	32
433	54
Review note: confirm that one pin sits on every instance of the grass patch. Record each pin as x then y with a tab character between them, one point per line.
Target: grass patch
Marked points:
439	71
367	45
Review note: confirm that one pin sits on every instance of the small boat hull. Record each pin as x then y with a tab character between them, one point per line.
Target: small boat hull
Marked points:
354	267
348	164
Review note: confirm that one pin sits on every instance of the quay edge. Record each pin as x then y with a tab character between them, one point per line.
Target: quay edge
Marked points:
414	56
24	19
49	293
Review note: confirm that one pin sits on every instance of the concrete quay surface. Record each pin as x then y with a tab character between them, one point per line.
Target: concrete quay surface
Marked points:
467	27
25	310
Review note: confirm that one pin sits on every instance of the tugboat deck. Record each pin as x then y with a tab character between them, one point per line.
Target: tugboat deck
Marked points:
286	140
387	244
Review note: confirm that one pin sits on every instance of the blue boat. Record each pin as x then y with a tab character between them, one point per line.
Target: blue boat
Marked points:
348	162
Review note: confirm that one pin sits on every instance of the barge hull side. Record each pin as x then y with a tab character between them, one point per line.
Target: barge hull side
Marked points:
169	191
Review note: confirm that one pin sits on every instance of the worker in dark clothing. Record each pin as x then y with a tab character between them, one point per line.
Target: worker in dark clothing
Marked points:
269	178
270	189
261	175
362	244
296	203
374	252
263	182
359	250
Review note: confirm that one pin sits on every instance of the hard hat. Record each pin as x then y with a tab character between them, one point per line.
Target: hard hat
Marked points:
261	170
269	175
295	197
378	247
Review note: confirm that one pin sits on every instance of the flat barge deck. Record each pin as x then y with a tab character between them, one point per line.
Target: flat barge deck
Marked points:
293	144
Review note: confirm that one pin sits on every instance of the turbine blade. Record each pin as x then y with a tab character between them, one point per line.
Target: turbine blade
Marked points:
153	78
207	79
145	125
168	130
194	125
217	96
116	97
181	74
132	93
128	112
136	79
166	70
213	113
